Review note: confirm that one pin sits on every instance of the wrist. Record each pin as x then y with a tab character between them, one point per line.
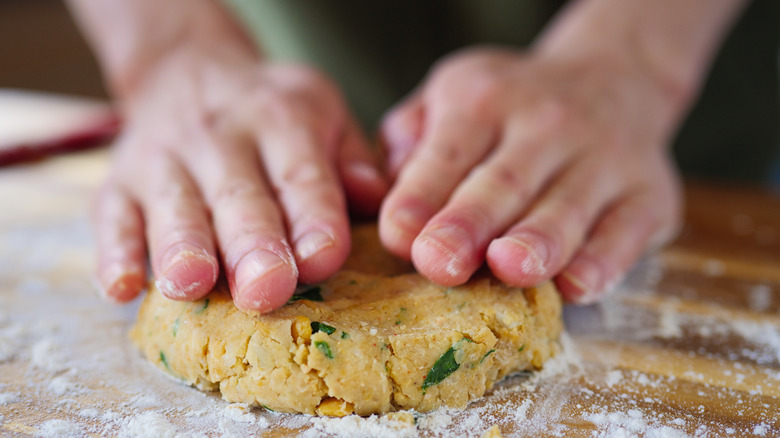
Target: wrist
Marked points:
667	44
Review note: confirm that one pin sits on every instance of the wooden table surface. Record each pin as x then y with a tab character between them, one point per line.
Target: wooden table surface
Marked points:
689	345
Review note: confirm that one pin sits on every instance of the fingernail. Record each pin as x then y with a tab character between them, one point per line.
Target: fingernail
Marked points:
535	256
118	283
254	265
188	269
586	278
410	220
454	242
311	243
364	171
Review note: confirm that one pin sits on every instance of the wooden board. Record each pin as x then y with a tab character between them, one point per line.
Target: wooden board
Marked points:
689	345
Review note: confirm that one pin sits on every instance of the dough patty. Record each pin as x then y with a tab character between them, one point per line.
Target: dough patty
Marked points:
382	338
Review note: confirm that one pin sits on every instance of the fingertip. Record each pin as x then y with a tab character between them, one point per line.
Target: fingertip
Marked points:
518	262
400	226
122	285
189	275
574	290
320	253
263	281
445	255
581	282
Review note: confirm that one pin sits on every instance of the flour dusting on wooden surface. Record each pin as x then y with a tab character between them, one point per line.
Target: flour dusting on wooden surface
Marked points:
67	368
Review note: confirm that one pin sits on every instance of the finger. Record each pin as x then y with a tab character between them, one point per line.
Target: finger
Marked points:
400	132
624	233
250	229
364	184
181	242
540	245
311	197
121	253
452	145
452	245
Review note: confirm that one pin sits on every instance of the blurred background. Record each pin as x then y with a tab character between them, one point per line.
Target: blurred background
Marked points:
41	49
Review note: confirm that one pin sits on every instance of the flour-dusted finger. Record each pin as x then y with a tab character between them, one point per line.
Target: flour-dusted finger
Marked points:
453	143
642	220
249	225
307	187
181	242
121	251
494	195
543	242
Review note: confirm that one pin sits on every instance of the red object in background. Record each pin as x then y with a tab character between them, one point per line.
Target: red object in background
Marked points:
34	125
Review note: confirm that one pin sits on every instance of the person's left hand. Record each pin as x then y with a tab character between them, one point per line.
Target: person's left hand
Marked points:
542	167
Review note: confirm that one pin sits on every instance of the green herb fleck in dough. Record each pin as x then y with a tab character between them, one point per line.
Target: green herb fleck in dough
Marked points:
353	282
344	335
398	322
202	308
164	360
444	366
324	348
321	327
267	408
175	327
313	293
522	347
486	355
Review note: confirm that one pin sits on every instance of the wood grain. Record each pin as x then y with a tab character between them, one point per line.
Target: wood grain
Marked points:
689	345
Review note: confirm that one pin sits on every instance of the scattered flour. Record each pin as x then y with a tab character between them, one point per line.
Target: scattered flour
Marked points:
435	420
11	341
521	414
619	425
714	268
148	425
89	413
7	398
669	323
613	377
59	429
75	344
760	298
764	334
761	429
145	401
359	427
46	357
239	412
61	386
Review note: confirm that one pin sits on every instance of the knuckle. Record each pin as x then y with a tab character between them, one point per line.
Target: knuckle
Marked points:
571	207
444	156
503	178
283	107
235	188
304	174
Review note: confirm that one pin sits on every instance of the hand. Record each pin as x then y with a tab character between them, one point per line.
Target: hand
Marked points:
542	167
223	153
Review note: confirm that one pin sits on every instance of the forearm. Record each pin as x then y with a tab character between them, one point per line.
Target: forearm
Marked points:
672	41
129	36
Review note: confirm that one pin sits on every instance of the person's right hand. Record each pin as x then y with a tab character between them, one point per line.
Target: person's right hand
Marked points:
226	157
